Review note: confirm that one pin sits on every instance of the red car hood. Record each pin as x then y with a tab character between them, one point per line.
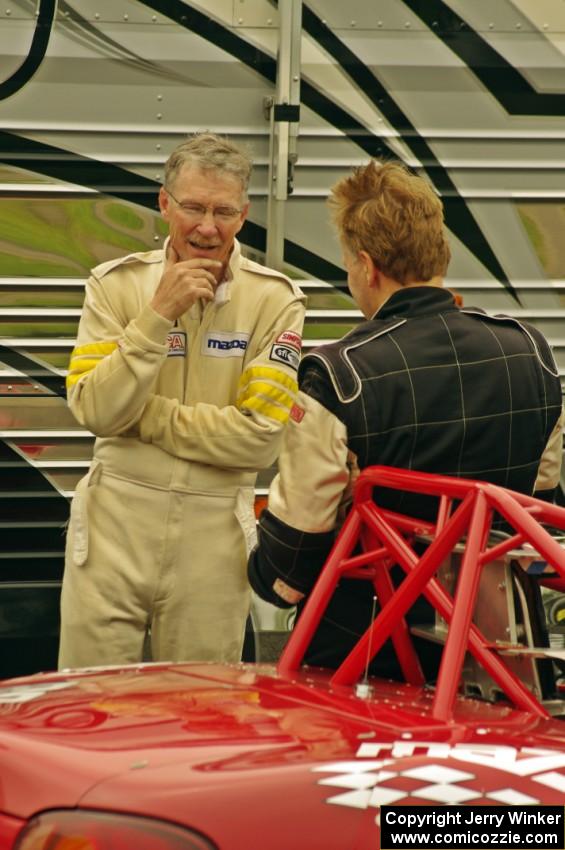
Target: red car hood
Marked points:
240	753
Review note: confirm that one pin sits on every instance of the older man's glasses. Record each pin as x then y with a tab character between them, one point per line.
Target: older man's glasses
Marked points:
197	212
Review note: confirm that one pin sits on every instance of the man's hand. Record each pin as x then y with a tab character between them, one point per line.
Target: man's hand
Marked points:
184	282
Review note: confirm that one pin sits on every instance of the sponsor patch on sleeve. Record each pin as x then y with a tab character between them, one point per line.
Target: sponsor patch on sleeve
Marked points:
176	341
297	413
290	338
285	354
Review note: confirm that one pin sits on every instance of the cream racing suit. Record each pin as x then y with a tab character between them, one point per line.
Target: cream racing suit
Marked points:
185	413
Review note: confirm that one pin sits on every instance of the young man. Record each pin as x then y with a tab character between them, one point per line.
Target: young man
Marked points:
185	369
420	385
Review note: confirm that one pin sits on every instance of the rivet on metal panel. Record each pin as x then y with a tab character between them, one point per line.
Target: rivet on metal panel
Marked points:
8	11
407	25
10	387
325	23
153	18
379	23
155	238
157	177
353	23
159	97
126	17
491	26
97	16
159	116
546	26
435	25
518	26
295	78
269	21
240	20
502	585
482	731
157	147
406	735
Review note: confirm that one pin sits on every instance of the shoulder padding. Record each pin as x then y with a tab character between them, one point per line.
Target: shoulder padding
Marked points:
146	258
251	266
336	359
539	343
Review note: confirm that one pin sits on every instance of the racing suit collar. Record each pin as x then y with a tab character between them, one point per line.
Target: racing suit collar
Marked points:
416	300
223	290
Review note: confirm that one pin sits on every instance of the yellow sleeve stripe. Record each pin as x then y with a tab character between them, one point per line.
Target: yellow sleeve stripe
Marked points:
71	380
94	349
267	391
268	373
261	405
83	364
85	358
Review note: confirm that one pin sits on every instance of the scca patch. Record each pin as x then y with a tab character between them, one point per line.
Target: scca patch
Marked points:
176	342
224	344
290	338
286	355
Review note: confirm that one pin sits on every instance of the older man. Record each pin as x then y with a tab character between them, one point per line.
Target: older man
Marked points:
185	370
421	384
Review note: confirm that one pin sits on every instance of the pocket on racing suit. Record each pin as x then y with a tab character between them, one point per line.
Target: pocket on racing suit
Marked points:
77	531
245	515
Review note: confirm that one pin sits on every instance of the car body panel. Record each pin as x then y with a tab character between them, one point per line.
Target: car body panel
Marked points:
258	755
238	752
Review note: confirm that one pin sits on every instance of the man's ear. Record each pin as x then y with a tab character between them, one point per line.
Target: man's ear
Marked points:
164	203
372	273
242	217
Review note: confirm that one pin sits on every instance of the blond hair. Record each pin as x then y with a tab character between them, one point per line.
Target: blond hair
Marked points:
210	152
396	217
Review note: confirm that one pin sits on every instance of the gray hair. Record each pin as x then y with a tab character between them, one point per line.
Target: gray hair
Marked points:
210	152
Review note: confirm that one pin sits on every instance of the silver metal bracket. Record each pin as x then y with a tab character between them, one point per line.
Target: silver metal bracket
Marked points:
283	113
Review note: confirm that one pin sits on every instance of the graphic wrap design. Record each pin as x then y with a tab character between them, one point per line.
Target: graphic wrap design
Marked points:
224	344
446	777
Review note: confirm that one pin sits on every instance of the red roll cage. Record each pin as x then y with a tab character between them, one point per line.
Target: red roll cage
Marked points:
385	538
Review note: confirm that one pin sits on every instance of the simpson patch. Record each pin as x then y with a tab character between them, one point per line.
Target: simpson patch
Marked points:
285	354
290	338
